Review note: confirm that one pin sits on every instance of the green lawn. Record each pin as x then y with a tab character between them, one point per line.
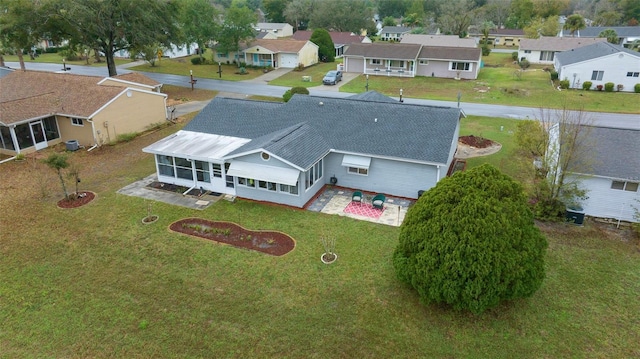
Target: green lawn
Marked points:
96	282
315	74
497	83
57	58
183	66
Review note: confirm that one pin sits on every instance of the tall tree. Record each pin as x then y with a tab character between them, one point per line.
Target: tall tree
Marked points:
20	26
326	48
496	11
546	8
331	15
114	25
274	10
199	22
393	8
415	15
610	34
298	12
522	12
542	27
574	23
456	16
471	242
236	28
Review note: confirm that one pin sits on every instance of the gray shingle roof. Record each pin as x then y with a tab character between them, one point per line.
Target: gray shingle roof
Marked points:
594	31
395	29
380	129
557	43
384	51
372	96
615	153
450	53
593	51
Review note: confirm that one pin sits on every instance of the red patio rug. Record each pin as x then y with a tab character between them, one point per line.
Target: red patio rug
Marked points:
363	209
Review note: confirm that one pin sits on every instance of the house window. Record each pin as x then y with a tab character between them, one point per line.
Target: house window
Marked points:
546	55
358	171
285	188
396	63
217	170
183	168
424	62
597	75
202	171
313	174
228	179
527	51
460	66
248	182
165	165
223	55
626	186
633	74
77	121
269	186
5	137
376	62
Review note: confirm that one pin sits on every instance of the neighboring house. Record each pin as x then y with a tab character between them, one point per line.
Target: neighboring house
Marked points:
544	49
393	33
40	109
626	34
612	178
277	29
410	60
438	40
341	40
266	35
172	52
286	152
273	53
501	37
600	63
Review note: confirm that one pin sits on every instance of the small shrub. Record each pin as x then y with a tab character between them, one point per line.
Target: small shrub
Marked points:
564	84
587	85
608	87
196	60
242	70
554	75
514	56
294	90
486	50
599	87
619	87
524	64
636	88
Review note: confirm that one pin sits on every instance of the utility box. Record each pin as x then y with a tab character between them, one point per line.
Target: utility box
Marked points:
72	145
575	215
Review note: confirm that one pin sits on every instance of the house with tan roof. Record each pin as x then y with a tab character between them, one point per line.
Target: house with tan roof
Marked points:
275	28
543	50
500	37
41	109
273	53
341	39
410	60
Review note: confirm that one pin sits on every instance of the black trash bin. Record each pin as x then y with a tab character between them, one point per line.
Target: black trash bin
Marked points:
72	145
420	193
575	215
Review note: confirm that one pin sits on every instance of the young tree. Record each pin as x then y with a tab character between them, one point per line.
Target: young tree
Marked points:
485	29
389	21
470	242
610	34
199	22
574	24
326	48
114	25
237	27
58	162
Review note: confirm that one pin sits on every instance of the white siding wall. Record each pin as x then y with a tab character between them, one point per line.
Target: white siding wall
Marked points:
605	202
615	69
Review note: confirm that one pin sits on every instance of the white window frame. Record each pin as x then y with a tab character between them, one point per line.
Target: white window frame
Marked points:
358	171
597	75
288	189
77	121
375	62
547	55
467	67
628	186
423	62
313	175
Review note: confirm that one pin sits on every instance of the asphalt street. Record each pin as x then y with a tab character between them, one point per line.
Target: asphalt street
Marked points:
615	120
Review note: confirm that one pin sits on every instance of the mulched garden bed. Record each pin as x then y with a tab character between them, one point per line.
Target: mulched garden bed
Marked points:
269	242
476	141
82	199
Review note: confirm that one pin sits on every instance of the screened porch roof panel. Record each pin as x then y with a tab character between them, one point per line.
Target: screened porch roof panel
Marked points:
196	145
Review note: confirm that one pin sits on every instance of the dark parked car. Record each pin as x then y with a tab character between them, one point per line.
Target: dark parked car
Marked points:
332	77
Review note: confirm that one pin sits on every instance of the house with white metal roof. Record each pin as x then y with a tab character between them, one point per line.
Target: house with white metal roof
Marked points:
286	152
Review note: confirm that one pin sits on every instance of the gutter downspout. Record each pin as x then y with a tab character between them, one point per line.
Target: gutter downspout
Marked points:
93	132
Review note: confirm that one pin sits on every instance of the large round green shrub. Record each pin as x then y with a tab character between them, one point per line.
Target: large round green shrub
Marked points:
608	87
470	242
294	90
